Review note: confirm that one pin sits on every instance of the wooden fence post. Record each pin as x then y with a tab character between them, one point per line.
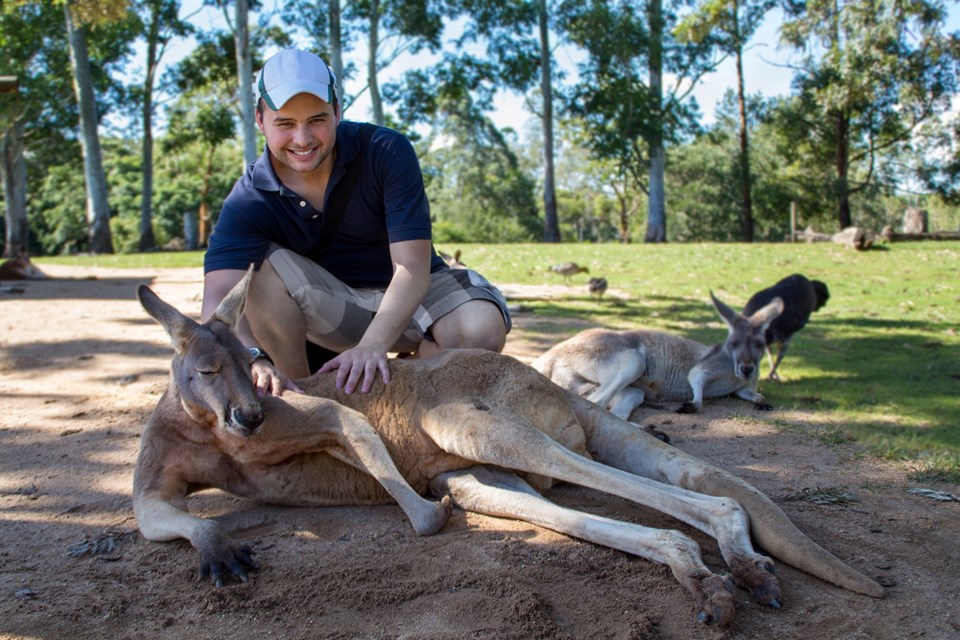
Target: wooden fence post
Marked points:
793	221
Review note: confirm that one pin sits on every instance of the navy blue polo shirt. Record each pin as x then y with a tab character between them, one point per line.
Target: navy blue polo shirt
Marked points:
389	204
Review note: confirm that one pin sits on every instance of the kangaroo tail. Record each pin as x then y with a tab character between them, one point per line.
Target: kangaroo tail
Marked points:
777	535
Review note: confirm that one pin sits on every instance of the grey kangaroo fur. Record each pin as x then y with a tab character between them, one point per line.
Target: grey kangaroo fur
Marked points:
476	426
620	370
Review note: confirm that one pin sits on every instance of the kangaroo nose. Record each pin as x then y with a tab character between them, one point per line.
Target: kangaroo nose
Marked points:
747	370
249	420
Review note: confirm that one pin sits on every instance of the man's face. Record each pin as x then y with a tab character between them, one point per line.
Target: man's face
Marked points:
301	135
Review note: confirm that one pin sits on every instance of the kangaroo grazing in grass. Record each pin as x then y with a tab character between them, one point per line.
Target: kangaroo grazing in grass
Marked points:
620	370
475	426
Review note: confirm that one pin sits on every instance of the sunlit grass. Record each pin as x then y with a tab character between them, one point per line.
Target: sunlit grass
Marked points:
881	362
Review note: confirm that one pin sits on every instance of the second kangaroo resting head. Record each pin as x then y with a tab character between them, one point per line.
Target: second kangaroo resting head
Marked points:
619	370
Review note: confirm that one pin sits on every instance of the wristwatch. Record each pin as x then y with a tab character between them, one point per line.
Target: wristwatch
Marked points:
257	353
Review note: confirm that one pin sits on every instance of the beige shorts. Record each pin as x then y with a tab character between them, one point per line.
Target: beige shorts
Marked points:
337	315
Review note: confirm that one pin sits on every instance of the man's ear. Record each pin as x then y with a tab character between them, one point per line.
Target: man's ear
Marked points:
258	116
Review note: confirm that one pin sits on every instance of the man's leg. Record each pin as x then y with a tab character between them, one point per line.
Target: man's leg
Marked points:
277	322
477	324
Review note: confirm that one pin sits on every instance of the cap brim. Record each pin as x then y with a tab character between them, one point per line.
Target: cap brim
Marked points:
278	96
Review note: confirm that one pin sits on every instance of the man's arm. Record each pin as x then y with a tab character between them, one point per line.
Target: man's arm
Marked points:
410	282
216	286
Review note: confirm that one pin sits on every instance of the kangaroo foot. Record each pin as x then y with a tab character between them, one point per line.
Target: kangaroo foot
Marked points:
714	594
756	576
656	433
433	518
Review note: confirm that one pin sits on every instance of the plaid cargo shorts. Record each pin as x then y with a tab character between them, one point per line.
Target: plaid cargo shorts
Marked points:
337	315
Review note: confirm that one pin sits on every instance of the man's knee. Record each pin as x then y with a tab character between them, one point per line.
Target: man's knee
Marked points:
265	284
477	324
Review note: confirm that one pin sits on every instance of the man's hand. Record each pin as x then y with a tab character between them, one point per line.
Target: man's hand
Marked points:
358	365
269	380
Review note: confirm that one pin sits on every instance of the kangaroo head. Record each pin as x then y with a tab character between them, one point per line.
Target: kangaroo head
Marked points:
745	338
211	368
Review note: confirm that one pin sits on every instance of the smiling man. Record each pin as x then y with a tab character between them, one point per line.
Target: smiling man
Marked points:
336	220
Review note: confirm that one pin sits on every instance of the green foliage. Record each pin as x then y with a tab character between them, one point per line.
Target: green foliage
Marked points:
57	208
873	74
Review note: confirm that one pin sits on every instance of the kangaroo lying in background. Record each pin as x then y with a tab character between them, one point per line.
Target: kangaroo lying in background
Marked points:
620	370
475	426
21	268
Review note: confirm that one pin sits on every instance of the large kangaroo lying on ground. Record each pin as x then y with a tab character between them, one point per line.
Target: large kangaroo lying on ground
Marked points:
474	425
619	370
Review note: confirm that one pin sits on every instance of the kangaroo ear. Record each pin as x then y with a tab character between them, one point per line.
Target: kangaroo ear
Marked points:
231	307
767	313
178	326
728	314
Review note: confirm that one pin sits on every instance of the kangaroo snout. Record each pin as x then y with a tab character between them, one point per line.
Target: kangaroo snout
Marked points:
244	421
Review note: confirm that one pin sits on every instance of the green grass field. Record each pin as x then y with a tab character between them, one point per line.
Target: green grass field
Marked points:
881	361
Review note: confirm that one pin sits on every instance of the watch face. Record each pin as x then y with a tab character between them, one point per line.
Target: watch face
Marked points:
259	354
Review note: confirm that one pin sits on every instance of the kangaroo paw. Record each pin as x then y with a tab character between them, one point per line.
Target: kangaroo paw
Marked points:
715	600
757	577
688	407
763	406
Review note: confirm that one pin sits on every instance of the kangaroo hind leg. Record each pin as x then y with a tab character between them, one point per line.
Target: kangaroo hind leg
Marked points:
502	440
501	493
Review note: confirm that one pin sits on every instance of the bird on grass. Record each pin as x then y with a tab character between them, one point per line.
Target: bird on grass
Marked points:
597	286
568	269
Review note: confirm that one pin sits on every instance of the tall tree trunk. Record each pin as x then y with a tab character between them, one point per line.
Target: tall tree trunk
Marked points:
746	201
14	168
843	168
336	47
147	240
203	222
241	39
376	104
98	208
656	212
551	227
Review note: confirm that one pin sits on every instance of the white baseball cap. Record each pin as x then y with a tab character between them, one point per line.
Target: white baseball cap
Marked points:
291	72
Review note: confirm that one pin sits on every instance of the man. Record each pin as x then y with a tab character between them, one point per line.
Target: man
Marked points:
354	271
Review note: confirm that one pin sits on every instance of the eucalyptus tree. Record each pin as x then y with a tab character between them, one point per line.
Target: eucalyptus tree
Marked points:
733	22
319	24
206	82
82	17
478	190
939	164
160	25
204	125
516	35
33	49
629	113
392	28
872	75
236	13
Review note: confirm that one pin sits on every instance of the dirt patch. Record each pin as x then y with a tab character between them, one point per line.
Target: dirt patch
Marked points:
82	366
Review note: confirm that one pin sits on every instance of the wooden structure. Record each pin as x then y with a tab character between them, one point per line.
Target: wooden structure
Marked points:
9	84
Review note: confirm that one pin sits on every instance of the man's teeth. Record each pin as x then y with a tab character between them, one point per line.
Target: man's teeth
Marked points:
301	153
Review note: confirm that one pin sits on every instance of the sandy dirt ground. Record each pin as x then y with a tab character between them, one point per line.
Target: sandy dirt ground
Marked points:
82	365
